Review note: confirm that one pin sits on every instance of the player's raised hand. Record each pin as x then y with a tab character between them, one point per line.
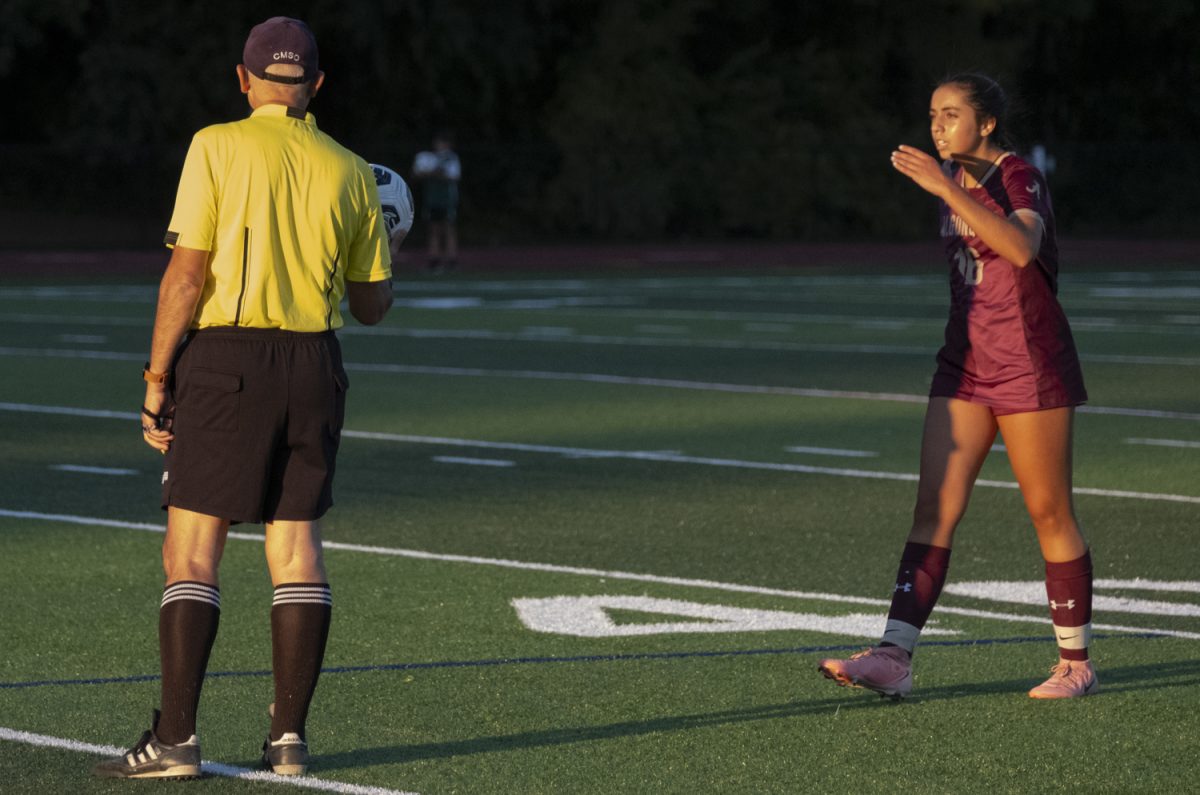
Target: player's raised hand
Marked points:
921	168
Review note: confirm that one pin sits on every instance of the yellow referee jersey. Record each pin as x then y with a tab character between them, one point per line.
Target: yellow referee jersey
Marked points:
286	213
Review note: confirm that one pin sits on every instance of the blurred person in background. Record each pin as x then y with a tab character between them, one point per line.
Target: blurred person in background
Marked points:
438	172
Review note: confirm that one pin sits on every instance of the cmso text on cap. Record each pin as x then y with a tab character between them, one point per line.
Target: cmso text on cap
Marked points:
281	40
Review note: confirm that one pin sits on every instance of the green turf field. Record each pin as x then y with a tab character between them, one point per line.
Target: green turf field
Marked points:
593	533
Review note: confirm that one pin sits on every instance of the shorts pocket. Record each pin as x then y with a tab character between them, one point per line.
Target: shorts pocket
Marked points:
211	400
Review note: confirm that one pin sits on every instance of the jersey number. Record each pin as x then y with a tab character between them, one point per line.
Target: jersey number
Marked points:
970	266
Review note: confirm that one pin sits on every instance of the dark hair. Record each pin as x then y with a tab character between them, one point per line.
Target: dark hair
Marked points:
987	99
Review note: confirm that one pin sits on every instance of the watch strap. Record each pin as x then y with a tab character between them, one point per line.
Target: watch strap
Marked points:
151	377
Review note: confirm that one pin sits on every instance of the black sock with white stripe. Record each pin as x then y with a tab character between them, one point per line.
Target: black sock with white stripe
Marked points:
300	618
187	627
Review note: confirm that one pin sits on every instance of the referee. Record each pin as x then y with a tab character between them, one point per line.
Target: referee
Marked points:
274	224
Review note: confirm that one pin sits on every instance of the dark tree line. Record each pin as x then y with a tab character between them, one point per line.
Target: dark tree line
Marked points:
626	118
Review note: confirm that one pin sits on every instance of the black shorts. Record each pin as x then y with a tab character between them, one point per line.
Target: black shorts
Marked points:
258	419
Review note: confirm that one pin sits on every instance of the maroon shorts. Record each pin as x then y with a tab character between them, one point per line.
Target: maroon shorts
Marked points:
258	418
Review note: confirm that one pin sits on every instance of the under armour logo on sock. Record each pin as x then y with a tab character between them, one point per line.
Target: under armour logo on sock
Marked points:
1069	605
906	587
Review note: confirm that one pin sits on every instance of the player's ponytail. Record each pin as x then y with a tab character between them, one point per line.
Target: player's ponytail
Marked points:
988	99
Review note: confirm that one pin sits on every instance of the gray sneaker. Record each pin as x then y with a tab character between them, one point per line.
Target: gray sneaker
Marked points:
152	758
287	756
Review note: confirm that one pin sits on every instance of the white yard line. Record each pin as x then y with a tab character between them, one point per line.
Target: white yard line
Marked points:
477	462
685	582
602	378
211	768
1164	443
832	451
618	306
87	470
69	353
626	380
659	341
33	408
635	341
83	339
642	455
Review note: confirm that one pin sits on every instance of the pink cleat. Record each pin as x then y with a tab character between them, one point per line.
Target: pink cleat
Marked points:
885	669
1068	679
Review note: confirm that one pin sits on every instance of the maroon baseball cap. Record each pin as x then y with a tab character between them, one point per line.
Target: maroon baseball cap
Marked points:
281	40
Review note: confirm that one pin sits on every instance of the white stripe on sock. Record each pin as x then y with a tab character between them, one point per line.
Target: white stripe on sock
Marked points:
303	600
192	590
303	594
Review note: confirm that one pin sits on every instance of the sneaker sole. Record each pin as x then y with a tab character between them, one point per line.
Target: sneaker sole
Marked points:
847	681
1090	690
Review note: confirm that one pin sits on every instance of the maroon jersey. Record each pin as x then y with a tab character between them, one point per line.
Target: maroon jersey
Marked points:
1008	344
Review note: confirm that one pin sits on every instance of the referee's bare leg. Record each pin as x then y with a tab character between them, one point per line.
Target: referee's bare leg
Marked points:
189	615
300	618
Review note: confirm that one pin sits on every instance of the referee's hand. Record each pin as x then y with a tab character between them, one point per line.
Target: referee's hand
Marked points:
156	418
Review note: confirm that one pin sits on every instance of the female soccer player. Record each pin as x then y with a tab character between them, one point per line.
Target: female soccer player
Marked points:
1008	364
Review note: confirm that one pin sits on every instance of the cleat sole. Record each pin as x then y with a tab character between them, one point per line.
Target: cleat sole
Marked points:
178	773
845	681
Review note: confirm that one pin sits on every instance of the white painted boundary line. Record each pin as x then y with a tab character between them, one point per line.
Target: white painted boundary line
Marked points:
1164	443
720	344
866	474
616	306
88	470
600	378
552	568
211	768
710	386
643	455
627	380
833	451
663	342
83	339
33	408
69	353
475	462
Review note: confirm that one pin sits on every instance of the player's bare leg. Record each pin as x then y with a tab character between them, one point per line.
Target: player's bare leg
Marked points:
1039	447
957	438
300	617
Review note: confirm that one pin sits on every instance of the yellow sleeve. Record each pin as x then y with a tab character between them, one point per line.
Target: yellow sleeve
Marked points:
194	221
369	259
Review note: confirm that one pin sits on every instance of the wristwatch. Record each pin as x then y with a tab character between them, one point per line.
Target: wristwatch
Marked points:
151	377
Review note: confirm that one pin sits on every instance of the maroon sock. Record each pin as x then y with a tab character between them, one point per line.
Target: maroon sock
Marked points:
1069	591
919	582
300	619
187	627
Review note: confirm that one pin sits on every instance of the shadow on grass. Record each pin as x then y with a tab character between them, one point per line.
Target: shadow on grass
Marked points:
1181	674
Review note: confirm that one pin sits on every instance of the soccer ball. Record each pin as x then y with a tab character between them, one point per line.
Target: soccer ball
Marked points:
396	200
